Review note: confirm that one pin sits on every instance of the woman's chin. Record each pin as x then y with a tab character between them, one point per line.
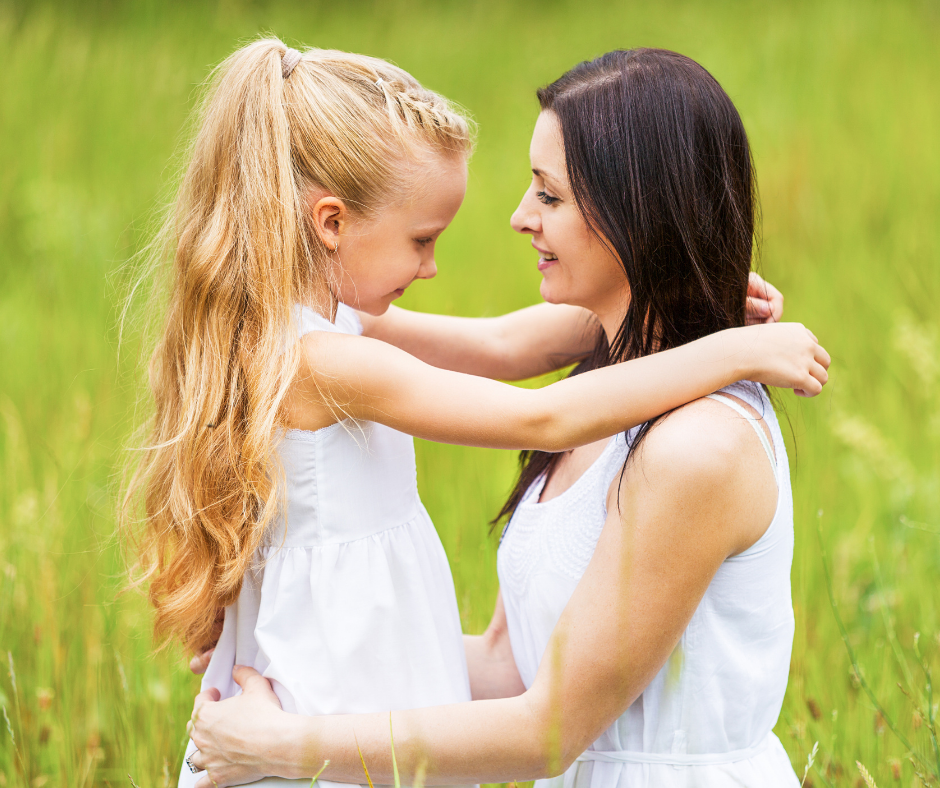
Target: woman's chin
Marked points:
551	294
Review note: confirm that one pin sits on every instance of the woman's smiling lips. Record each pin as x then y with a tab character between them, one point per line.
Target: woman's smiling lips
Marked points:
546	259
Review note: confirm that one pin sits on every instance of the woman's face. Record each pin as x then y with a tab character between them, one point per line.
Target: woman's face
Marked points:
576	267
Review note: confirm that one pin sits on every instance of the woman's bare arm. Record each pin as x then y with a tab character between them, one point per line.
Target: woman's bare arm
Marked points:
369	380
679	513
492	667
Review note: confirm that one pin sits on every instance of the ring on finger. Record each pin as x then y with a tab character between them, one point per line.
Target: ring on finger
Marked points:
189	762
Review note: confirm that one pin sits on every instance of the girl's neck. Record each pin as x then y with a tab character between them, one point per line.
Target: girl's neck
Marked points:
322	301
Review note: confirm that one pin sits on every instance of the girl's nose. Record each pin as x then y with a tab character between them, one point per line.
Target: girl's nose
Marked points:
428	269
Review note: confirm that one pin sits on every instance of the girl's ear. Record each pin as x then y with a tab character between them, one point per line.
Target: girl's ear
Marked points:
329	217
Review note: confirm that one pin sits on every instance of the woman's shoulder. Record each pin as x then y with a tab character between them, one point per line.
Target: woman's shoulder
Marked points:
703	436
707	456
704	447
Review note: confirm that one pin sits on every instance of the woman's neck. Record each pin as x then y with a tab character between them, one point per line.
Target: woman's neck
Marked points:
611	316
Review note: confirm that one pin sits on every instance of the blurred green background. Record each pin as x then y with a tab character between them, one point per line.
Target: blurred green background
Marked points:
841	101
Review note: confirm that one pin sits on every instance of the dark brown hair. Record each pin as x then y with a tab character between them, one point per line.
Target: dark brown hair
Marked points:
660	167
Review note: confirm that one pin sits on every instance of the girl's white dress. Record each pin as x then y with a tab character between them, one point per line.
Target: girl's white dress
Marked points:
706	719
350	606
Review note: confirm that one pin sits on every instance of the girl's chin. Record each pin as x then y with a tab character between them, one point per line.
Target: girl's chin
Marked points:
376	309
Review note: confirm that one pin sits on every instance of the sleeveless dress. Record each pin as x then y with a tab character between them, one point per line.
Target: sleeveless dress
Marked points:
350	604
706	719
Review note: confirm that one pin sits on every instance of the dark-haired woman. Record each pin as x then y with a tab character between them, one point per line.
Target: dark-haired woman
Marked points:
643	633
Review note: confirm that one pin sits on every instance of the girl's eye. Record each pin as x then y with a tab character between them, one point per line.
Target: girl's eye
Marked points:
423	241
546	198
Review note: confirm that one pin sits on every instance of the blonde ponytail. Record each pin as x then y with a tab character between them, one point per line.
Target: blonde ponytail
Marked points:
241	258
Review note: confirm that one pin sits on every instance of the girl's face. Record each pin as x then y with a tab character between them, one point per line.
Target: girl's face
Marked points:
378	257
576	267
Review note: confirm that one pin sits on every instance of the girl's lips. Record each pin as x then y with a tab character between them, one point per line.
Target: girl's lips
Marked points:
543	263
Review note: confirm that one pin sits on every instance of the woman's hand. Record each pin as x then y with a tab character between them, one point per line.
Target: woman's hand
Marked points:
490	662
785	355
764	301
200	662
237	738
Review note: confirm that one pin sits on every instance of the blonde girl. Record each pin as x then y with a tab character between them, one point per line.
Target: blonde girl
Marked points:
279	482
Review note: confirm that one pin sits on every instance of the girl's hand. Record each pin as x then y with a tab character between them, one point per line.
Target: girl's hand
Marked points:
786	355
764	301
237	738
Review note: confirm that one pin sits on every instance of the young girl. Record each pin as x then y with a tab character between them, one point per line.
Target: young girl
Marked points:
280	479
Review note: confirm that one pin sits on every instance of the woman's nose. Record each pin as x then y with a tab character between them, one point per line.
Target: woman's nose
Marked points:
523	219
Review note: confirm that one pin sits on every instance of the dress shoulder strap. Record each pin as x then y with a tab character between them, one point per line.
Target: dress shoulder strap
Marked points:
346	321
754	422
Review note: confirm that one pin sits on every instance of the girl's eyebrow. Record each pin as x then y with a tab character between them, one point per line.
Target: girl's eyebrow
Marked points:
430	229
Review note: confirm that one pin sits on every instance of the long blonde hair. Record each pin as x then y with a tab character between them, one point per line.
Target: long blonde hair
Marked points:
241	255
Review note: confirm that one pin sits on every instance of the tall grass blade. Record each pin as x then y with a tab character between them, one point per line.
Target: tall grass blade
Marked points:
809	763
325	764
364	767
863	683
394	759
869	780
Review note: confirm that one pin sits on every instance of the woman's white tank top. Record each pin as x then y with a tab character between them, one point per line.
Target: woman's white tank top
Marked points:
350	605
706	719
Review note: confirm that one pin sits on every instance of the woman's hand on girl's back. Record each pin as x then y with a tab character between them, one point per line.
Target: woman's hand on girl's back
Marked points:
200	661
227	732
785	355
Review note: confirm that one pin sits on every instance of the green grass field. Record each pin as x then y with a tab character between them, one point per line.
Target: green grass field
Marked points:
841	101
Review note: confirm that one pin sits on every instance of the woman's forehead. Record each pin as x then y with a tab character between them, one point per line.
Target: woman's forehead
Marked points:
546	151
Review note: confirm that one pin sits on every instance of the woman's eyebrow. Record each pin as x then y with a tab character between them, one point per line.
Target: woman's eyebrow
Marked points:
547	176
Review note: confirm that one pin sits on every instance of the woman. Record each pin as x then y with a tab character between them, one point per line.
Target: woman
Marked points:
645	578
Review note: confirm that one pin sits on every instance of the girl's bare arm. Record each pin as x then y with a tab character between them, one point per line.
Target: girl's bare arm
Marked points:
521	344
515	346
369	380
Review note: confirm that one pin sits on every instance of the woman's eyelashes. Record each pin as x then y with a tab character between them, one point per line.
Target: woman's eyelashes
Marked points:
546	198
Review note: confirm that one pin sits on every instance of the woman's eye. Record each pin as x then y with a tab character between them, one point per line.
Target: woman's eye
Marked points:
546	198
